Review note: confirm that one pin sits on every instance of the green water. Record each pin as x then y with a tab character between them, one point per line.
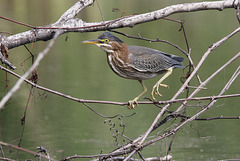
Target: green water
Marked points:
67	128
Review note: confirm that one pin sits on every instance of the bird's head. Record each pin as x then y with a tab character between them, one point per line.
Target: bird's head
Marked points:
107	42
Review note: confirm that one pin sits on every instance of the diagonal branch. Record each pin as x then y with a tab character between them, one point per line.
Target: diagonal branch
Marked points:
25	150
180	100
75	10
5	61
31	69
211	103
212	47
67	24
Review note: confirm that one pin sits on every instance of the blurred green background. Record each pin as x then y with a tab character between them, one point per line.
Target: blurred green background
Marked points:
67	128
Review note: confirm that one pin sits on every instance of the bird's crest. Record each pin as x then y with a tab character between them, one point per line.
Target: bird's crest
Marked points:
109	36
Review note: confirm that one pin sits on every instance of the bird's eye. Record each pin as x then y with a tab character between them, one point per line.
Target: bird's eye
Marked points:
105	41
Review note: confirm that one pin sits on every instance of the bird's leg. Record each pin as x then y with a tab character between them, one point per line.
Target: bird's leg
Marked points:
132	103
156	86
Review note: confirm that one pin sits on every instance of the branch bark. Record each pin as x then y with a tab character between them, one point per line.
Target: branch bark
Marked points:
80	100
67	23
30	70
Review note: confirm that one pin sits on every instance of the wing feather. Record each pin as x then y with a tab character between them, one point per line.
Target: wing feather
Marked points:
156	61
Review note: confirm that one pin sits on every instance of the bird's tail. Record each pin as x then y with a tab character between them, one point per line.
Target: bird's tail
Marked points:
177	58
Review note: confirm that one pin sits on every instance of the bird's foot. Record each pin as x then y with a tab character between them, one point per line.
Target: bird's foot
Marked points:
155	90
132	104
164	85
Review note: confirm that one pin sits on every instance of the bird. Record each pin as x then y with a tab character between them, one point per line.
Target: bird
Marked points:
137	62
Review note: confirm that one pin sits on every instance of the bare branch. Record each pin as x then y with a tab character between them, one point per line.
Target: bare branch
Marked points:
47	32
74	10
211	103
8	159
25	150
212	47
31	69
117	103
67	24
5	61
213	75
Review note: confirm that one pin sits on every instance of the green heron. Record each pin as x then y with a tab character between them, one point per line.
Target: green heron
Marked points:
137	62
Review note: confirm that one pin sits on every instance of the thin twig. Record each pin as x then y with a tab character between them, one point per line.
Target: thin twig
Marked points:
31	69
6	159
67	24
23	119
5	60
117	103
25	150
100	10
110	117
210	104
151	40
212	47
210	78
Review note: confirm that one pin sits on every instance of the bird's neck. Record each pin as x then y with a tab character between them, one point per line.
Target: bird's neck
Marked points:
120	52
117	60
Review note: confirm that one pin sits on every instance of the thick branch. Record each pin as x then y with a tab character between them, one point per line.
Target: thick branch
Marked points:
46	33
68	24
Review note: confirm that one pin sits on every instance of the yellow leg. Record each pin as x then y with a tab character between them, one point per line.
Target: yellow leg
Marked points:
132	103
156	86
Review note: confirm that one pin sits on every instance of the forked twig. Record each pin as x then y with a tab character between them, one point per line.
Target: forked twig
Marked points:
117	103
26	150
142	138
31	69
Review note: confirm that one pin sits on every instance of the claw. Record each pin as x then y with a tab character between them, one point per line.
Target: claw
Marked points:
164	85
155	89
132	104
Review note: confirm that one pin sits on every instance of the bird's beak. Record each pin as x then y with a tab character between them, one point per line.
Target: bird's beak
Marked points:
94	41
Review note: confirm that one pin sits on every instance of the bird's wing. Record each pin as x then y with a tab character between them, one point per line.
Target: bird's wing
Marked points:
151	60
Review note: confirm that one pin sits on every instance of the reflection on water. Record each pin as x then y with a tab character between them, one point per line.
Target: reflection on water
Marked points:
66	128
